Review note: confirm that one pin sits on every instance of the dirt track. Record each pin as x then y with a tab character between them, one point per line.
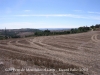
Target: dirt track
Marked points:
82	50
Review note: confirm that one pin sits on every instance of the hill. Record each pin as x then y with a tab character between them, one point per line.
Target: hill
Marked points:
16	33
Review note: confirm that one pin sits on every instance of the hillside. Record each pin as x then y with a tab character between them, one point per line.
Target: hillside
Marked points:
74	51
16	33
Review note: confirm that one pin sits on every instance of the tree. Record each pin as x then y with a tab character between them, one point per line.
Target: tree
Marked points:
97	26
5	34
47	31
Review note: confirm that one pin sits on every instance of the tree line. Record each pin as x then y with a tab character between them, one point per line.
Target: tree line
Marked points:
71	31
6	34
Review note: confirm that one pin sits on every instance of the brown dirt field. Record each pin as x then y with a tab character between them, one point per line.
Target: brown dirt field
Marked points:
75	51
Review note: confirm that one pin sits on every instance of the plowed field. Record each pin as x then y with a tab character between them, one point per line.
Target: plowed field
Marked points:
80	50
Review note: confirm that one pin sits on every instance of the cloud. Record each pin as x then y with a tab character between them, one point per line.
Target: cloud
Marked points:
52	15
61	15
55	15
93	12
27	10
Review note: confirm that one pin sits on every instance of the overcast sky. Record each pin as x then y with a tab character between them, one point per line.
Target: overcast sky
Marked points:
48	13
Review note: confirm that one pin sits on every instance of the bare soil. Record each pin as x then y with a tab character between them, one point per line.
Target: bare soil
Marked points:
74	51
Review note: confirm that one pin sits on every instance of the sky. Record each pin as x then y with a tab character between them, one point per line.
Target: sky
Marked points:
16	14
